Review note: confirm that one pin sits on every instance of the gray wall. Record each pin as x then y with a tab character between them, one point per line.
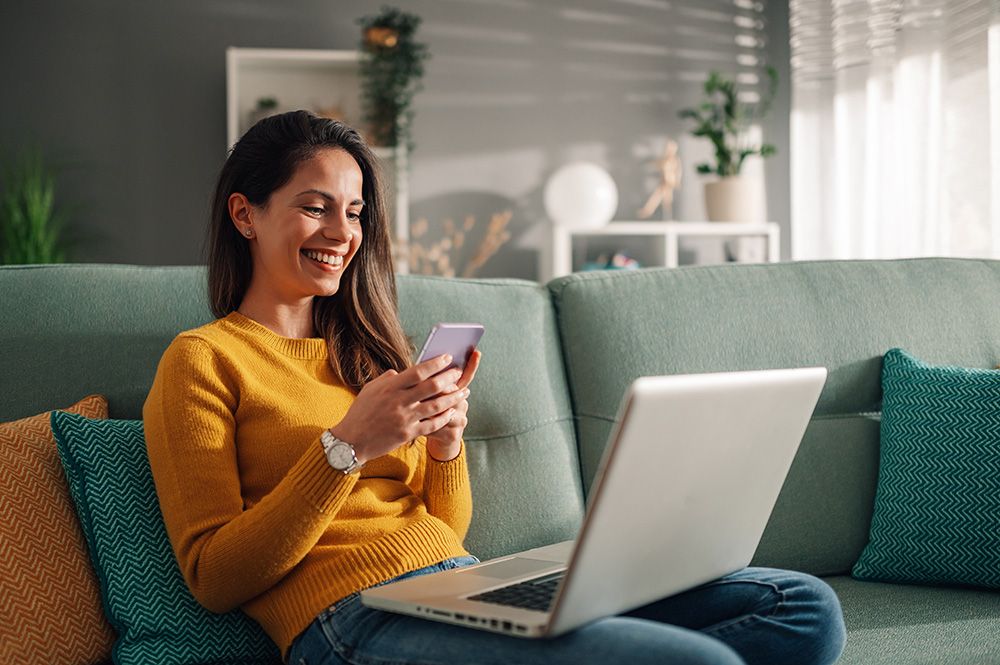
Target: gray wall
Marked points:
128	98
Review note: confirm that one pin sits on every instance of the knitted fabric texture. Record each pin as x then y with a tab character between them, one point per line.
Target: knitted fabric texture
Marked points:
938	500
256	516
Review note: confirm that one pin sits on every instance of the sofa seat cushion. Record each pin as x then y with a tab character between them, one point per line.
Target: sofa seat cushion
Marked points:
898	623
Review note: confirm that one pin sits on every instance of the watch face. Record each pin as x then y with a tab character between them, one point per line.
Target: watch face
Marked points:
340	456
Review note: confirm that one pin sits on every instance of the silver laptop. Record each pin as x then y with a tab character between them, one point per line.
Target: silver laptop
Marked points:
684	490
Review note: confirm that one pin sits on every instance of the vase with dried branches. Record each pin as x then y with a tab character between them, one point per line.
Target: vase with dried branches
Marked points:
436	258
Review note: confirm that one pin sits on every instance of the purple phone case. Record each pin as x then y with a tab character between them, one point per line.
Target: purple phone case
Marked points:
457	339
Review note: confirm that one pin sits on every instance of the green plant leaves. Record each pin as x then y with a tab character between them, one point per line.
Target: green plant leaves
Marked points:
30	227
391	72
724	120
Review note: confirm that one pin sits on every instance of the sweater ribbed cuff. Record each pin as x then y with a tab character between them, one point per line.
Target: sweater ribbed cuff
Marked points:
322	485
447	477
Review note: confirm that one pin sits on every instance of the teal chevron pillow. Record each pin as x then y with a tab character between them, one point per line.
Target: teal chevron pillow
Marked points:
937	505
145	597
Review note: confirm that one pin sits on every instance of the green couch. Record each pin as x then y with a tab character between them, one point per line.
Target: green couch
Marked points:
557	359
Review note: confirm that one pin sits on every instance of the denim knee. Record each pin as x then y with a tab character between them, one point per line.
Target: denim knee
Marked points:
644	642
822	634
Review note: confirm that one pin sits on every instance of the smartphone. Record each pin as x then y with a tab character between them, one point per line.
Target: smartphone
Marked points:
457	339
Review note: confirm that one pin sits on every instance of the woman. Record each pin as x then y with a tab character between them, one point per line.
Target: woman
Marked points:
299	457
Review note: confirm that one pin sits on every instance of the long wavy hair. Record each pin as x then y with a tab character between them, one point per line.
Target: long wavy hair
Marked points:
360	322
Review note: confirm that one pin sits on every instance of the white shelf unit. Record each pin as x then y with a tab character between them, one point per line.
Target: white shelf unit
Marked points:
313	79
558	261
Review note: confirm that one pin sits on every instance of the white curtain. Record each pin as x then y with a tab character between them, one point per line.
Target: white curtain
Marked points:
895	128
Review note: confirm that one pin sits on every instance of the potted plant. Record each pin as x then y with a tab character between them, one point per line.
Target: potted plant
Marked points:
724	119
30	227
266	106
391	72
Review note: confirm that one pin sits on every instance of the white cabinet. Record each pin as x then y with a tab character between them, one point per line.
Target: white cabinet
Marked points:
661	239
314	80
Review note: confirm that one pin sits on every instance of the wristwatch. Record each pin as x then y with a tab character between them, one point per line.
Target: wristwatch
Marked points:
339	454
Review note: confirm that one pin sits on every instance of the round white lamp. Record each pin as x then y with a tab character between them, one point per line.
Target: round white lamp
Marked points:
581	195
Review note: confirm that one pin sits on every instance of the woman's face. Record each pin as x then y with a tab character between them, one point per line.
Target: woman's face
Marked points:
309	230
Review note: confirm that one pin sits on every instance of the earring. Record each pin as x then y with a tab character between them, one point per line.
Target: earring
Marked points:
248	233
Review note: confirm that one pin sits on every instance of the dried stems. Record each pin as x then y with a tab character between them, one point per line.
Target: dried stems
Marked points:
435	259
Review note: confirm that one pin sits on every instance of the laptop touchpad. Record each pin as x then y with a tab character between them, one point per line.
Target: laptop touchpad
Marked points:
511	568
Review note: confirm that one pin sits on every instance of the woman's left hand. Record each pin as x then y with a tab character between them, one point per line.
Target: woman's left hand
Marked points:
446	443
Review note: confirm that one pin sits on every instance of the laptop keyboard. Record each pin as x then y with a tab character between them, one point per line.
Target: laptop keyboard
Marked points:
534	594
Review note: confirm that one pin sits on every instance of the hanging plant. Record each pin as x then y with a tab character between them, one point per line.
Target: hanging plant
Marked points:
391	73
30	226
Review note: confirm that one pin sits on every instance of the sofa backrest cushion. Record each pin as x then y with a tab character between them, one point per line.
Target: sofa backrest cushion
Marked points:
521	441
616	326
70	330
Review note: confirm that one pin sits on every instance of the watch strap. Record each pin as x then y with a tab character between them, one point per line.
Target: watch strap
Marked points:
329	442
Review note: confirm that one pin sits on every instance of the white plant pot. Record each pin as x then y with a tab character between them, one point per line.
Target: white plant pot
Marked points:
737	198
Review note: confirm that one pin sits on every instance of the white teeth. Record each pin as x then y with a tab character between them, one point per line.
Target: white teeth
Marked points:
329	259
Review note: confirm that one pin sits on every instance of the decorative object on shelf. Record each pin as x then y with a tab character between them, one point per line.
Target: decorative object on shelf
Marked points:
618	261
391	74
581	195
725	120
436	259
735	199
30	227
265	106
669	167
661	245
746	250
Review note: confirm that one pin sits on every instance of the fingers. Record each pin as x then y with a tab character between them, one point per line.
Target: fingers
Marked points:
470	369
441	404
457	421
428	389
435	423
423	371
460	416
453	420
438	384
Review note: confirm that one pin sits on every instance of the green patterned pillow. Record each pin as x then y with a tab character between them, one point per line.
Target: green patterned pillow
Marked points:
145	597
937	506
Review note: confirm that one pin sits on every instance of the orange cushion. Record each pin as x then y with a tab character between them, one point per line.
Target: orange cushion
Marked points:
51	608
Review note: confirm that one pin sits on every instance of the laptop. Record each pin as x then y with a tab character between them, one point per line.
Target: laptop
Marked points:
685	487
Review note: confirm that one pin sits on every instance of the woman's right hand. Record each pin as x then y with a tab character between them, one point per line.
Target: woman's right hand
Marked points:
390	409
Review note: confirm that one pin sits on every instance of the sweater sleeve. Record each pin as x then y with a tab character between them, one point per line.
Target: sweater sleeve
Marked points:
447	492
226	553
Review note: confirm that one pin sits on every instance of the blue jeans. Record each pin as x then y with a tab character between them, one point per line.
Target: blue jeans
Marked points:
756	615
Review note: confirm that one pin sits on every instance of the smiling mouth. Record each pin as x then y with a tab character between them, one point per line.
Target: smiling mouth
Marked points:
326	261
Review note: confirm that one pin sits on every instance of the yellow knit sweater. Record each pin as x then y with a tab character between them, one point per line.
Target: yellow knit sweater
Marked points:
256	516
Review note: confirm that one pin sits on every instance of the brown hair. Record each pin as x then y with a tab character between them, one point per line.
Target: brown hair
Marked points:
360	322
